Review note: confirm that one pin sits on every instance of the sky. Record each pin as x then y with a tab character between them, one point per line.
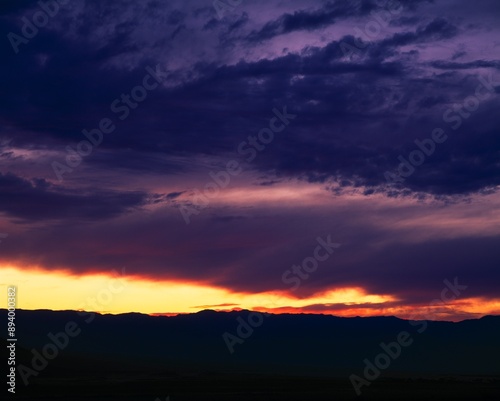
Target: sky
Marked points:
337	157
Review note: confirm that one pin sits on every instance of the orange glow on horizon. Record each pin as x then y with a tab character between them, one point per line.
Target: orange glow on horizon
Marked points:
119	293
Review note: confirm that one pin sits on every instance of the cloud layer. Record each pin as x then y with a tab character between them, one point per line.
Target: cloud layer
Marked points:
373	85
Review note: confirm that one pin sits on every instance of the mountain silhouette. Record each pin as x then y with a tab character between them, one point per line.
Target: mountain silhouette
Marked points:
239	345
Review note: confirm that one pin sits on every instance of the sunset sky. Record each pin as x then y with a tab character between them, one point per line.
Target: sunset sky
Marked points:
236	140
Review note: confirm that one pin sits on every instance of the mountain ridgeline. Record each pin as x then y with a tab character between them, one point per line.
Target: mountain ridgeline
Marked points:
61	345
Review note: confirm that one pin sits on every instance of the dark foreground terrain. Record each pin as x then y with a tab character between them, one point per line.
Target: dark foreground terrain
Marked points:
212	387
286	357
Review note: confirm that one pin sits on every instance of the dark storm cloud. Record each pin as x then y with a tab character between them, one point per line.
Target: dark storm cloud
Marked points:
438	29
251	254
174	195
326	15
13	6
450	65
308	20
355	117
38	200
